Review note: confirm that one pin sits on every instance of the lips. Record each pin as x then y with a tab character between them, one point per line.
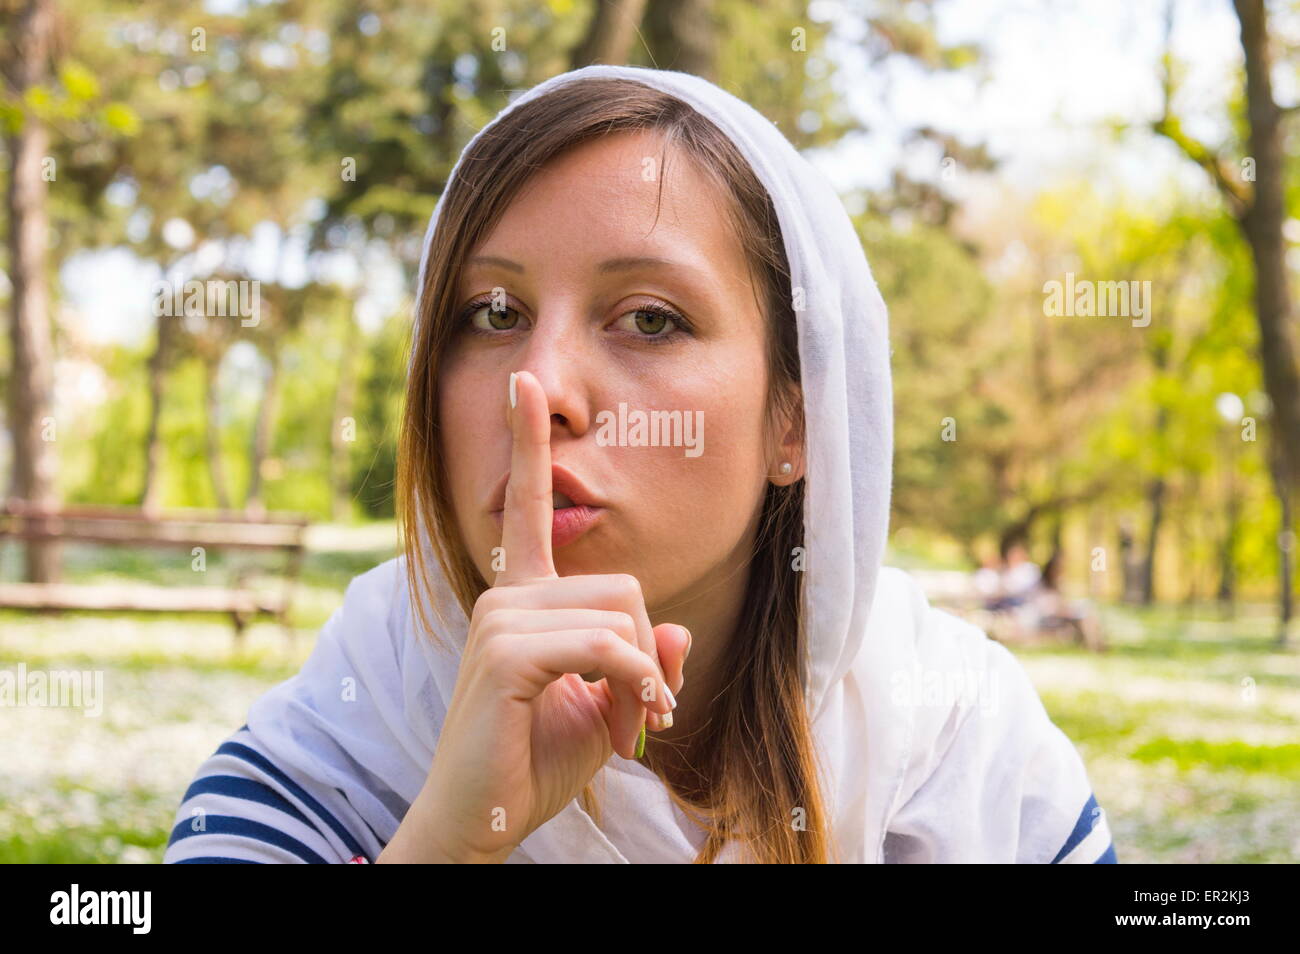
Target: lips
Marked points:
576	509
566	491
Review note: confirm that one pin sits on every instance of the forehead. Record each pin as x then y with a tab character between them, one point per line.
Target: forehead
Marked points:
623	193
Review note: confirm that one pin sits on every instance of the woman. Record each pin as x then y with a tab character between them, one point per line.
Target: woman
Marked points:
648	414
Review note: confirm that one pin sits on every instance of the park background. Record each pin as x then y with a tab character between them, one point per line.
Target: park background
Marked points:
983	149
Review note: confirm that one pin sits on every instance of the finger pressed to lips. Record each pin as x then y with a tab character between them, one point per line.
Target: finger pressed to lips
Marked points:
526	522
526	538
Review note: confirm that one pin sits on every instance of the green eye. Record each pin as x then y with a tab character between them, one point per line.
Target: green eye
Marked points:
656	323
501	320
504	319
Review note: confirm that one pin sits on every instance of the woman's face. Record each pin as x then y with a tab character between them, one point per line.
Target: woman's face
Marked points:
574	264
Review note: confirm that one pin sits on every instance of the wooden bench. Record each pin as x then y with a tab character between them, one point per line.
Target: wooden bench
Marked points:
213	530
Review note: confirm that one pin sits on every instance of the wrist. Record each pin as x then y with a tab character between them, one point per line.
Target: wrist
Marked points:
401	853
421	838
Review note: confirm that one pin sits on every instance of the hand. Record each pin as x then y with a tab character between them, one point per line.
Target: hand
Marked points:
524	731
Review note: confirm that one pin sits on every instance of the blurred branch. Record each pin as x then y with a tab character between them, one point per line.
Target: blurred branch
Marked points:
1237	194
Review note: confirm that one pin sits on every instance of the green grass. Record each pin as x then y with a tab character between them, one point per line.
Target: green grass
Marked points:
1189	729
105	844
1194	753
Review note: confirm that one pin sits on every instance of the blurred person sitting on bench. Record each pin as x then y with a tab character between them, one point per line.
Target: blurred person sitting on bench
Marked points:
1018	578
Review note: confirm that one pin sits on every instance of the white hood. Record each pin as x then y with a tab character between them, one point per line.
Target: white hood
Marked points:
993	781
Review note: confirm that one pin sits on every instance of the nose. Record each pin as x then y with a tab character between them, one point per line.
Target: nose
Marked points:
557	356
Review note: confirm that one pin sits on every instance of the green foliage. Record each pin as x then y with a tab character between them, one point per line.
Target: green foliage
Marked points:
104	451
1051	417
379	403
939	309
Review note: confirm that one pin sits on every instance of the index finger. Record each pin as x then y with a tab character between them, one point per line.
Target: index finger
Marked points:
526	522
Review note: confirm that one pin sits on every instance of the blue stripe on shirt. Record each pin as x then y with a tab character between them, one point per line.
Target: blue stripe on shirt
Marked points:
1108	856
214	860
260	761
1082	829
248	789
243	828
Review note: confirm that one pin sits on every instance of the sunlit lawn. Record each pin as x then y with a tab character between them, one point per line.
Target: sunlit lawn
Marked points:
1191	732
1189	728
75	787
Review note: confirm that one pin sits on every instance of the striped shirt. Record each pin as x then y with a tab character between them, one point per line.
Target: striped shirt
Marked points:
243	809
1089	842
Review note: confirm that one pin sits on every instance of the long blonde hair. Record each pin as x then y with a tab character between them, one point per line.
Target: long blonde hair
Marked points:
753	767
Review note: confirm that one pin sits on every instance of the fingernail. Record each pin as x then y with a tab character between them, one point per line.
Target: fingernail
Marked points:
689	640
665	720
514	398
640	744
669	693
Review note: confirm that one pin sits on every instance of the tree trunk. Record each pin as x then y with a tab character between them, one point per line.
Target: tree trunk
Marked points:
151	493
1261	223
1188	565
1286	545
1227	553
212	432
31	418
344	402
681	35
1130	564
1156	500
610	34
262	435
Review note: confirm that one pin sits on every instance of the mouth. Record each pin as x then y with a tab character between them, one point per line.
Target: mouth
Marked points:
576	509
568	522
567	490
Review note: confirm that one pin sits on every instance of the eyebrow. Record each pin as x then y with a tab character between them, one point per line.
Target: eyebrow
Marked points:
609	265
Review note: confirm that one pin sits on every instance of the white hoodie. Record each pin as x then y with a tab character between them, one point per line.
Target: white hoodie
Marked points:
934	743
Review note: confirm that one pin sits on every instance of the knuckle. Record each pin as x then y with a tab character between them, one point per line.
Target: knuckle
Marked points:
603	642
624	625
486	603
495	654
627	585
488	619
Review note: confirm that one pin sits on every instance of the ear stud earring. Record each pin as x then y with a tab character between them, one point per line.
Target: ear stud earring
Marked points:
786	467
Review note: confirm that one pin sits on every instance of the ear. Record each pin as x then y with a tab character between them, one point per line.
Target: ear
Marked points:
789	445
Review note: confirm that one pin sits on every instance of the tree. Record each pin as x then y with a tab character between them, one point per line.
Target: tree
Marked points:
683	35
1256	197
26	68
610	33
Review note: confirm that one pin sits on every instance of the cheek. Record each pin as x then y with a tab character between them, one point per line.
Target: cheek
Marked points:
467	430
689	516
722	479
699	506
